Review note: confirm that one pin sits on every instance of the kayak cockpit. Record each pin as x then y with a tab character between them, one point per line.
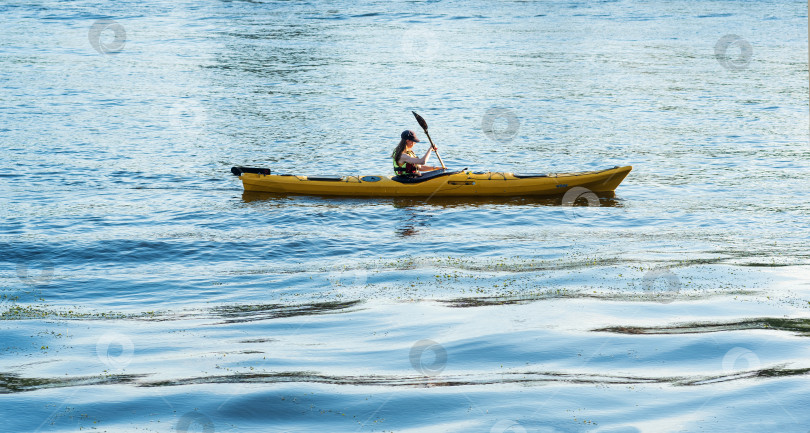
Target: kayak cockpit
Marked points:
425	176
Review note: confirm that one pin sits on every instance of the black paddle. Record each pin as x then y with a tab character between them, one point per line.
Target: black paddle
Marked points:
423	124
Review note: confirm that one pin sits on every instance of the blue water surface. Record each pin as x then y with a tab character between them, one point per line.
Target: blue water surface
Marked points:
141	289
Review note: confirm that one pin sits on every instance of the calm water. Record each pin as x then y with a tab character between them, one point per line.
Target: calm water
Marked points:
142	290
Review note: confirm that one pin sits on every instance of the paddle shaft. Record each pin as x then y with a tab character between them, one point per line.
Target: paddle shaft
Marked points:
433	146
423	124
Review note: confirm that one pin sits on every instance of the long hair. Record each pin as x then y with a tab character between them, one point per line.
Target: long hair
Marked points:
399	149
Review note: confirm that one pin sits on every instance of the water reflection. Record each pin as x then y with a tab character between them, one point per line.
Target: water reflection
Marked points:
605	200
415	219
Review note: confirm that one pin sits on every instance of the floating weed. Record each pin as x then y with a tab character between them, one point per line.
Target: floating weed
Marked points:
799	326
22	312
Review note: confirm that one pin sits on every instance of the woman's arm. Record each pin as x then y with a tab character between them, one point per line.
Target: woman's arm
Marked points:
427	167
412	160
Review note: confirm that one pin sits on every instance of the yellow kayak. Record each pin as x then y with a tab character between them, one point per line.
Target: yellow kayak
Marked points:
439	183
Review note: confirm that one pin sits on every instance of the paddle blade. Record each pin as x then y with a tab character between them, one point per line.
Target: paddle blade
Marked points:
421	121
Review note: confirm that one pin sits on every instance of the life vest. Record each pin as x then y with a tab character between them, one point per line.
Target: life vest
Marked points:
407	168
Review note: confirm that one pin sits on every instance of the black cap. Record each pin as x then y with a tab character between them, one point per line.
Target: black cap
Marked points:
409	135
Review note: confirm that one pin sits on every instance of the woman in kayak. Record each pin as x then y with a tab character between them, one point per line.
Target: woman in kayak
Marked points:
405	161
